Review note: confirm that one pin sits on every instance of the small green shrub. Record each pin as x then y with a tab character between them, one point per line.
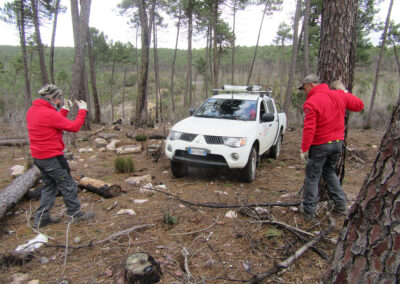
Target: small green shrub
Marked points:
170	219
140	137
124	165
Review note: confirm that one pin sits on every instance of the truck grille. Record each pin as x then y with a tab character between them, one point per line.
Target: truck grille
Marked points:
213	139
188	137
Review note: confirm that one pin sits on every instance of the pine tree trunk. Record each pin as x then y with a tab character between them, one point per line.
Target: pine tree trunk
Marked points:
215	64
255	51
289	88
92	64
157	77
378	64
173	66
53	38
112	91
233	43
306	37
368	250
339	24
14	192
123	94
43	70
141	105
21	28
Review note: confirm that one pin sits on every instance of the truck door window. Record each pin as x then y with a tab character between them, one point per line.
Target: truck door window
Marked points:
271	108
262	109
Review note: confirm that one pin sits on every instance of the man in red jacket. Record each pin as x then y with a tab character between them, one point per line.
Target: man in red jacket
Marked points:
322	142
45	126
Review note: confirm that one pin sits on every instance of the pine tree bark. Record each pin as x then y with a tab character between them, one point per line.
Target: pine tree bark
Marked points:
80	29
21	28
368	250
306	37
92	64
141	105
14	192
289	88
173	65
43	69
338	34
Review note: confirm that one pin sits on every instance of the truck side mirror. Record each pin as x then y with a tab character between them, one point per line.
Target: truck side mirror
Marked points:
191	111
267	117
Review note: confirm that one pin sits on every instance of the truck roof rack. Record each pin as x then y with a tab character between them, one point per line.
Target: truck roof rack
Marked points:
244	89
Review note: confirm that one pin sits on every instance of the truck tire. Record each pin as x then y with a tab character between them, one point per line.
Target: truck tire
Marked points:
249	171
275	150
179	170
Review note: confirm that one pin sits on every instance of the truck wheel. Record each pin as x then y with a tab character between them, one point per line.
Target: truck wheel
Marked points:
249	172
179	170
275	150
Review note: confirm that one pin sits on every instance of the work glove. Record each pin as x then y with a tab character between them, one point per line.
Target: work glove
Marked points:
304	155
81	104
67	105
337	85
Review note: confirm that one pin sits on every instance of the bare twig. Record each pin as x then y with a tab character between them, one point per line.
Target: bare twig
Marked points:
198	231
185	255
289	261
223	205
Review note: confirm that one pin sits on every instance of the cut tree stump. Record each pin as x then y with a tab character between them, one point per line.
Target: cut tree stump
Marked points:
142	268
14	192
102	188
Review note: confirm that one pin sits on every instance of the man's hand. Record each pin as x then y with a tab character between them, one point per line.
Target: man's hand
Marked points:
81	104
67	105
304	155
337	85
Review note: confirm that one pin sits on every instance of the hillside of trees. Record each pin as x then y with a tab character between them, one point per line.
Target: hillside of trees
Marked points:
267	72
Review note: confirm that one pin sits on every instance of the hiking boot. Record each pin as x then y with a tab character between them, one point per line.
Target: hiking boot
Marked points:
340	211
81	216
44	222
307	216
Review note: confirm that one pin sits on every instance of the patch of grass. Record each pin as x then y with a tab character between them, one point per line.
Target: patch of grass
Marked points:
124	165
282	164
274	192
227	184
170	219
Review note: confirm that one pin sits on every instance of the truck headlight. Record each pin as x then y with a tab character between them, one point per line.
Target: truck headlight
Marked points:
174	135
234	141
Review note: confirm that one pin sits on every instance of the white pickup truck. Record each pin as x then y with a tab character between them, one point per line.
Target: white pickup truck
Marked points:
230	129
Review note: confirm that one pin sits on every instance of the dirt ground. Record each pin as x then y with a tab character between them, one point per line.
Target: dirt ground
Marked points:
219	249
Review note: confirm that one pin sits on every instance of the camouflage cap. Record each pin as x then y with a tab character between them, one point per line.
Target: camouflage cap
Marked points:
50	91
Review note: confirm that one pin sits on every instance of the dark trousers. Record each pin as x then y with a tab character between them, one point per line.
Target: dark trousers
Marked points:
322	160
56	175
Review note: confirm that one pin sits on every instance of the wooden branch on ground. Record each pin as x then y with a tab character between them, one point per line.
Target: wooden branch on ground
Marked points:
13	142
289	261
14	192
102	188
157	136
223	205
293	229
86	137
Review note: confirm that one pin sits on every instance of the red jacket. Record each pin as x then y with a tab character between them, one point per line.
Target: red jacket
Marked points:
46	125
324	115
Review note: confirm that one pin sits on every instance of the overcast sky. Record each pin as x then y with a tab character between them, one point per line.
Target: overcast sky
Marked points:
105	17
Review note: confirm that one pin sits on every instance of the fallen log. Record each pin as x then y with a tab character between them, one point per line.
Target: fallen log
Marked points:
157	136
13	142
86	137
127	150
14	192
102	188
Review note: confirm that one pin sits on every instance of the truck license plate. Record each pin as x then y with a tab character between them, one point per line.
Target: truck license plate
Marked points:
198	152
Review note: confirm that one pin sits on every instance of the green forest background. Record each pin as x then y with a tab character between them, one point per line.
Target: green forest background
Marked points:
270	70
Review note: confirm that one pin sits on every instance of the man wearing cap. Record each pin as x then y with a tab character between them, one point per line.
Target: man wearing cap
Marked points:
45	126
323	135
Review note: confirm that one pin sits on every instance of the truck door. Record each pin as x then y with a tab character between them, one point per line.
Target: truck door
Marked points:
264	129
273	126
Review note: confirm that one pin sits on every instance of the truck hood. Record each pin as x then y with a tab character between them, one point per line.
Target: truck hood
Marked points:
214	126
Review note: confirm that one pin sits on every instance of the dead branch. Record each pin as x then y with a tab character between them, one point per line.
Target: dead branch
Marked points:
86	137
185	255
13	142
289	261
292	229
223	205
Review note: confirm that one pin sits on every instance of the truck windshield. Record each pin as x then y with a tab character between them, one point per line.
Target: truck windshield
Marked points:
228	109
